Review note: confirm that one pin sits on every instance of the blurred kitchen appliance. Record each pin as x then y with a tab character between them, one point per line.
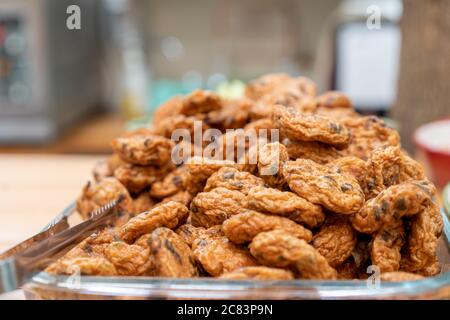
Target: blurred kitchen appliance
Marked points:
48	73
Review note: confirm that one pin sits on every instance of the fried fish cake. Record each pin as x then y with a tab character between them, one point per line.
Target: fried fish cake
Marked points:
175	181
279	83
304	127
333	100
168	126
201	168
316	151
258	273
92	266
401	200
96	195
271	158
214	207
367	134
386	246
286	204
388	166
335	240
233	179
280	249
243	227
128	259
182	197
137	178
319	184
233	115
172	257
144	150
335	105
189	233
218	255
170	215
354	167
425	230
200	101
142	203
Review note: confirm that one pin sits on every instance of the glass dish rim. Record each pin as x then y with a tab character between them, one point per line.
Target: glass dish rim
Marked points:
220	288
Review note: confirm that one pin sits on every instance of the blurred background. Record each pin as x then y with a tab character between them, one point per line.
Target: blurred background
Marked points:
65	94
72	91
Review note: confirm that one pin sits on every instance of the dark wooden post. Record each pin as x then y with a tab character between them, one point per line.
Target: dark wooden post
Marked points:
424	82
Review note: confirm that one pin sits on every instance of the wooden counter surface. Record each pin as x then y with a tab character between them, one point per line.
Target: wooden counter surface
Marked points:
35	188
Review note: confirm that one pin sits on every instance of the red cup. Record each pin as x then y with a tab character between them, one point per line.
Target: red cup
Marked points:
433	140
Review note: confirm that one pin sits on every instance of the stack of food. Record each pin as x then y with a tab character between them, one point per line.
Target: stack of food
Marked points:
329	193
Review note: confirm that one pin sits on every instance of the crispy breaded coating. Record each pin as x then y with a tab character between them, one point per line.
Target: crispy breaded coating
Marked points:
432	268
401	200
258	273
386	246
170	215
334	99
271	158
200	101
96	195
183	197
189	233
285	204
316	151
142	203
167	126
137	178
128	259
319	184
243	227
91	266
335	240
218	255
233	179
388	166
398	276
214	207
200	169
262	109
347	270
354	167
279	83
280	249
233	115
425	230
172	257
367	134
172	183
306	127
335	105
144	150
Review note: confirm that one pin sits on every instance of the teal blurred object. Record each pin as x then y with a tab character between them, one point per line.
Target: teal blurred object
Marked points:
446	200
164	89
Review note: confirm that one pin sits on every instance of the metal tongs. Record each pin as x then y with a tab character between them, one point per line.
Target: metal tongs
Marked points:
20	263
